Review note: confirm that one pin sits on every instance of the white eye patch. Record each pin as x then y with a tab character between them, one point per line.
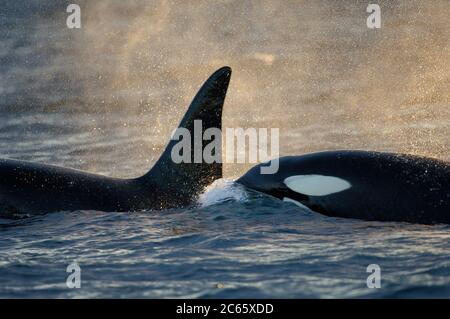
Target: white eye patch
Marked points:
316	185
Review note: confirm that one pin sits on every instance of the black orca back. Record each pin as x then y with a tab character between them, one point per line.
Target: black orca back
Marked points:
27	187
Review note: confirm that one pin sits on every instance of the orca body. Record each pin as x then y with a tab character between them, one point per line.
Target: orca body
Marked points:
34	188
363	185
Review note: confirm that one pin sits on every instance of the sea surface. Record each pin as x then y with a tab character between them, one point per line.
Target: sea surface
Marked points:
105	99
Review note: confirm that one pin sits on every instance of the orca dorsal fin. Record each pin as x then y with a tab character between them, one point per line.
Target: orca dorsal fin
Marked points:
186	180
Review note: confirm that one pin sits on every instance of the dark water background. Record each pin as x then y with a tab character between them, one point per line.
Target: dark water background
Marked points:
105	99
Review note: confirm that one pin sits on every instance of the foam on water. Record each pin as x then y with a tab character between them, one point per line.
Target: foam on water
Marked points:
222	190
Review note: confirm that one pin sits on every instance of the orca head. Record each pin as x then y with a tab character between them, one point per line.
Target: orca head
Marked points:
301	180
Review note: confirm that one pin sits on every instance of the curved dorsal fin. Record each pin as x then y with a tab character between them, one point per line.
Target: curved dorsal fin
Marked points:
186	180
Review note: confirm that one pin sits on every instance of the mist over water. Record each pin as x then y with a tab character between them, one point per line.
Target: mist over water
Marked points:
312	68
106	97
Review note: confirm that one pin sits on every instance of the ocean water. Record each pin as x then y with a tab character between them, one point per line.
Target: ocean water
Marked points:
244	246
106	97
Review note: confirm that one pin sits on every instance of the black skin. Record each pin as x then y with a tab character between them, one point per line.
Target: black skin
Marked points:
385	186
37	188
34	188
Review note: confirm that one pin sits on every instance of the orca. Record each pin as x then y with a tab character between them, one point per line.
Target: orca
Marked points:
368	185
34	188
